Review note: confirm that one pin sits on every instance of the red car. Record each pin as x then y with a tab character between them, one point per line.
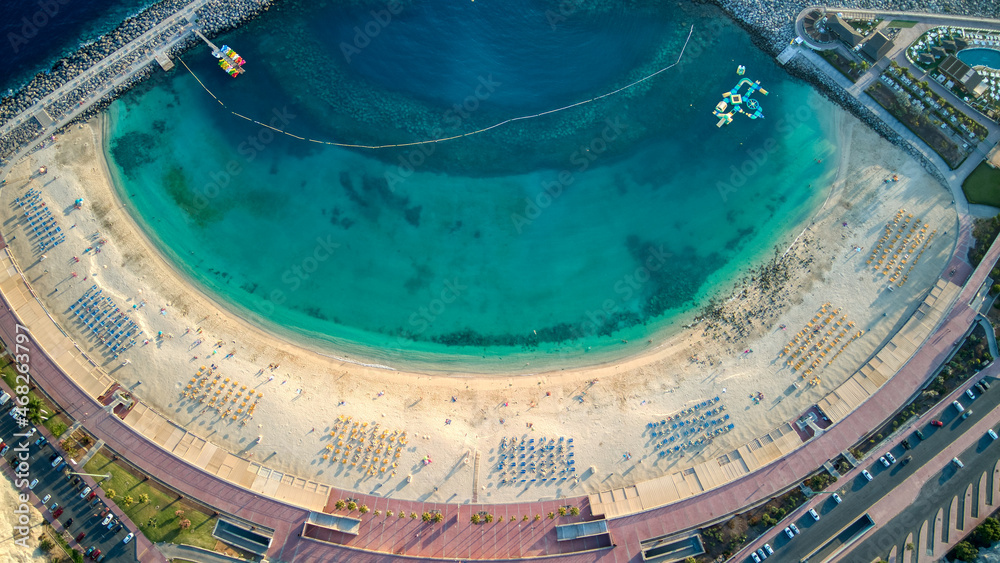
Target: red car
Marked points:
95	554
937	423
92	495
57	513
80	537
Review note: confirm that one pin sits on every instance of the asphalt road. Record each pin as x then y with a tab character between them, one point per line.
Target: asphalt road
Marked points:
86	515
858	494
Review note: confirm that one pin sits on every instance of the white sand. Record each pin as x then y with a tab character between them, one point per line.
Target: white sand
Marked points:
11	552
610	422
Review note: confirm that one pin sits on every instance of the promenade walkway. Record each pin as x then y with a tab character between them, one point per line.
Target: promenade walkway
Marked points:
282	502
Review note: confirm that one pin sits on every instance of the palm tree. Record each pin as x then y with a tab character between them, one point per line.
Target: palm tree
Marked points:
574	511
562	511
489	518
475	519
35	408
426	517
352	506
438	517
340	504
364	509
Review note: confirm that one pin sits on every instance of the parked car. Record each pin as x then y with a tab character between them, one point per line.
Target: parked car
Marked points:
958	406
41	441
979	387
80	537
970	394
69	523
991	434
866	474
837	498
4	448
128	538
89	551
85	492
760	553
906	444
884	461
794	528
788	532
95	554
107	519
57	512
889	457
767	548
112	524
46	499
33	483
984	383
812	512
937	423
919	434
754	557
958	463
57	461
54	506
92	495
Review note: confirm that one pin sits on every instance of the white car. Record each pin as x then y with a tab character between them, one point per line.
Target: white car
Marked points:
128	538
33	483
85	492
56	461
755	557
812	512
971	395
866	474
788	532
889	457
107	519
884	461
991	434
794	528
767	548
46	498
761	554
837	498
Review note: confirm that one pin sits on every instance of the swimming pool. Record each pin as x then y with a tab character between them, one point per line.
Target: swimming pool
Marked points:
980	56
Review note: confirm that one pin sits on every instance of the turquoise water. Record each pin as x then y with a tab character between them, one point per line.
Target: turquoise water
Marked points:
984	57
551	241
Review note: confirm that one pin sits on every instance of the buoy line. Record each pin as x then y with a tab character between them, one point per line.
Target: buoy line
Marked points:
453	137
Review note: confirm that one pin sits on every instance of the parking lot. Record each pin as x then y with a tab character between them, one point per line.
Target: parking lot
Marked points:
69	503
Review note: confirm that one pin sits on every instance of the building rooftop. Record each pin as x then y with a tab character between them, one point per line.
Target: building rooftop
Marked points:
877	47
843	30
963	74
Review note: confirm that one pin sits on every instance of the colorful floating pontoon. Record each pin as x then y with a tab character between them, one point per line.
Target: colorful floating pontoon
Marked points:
733	102
230	62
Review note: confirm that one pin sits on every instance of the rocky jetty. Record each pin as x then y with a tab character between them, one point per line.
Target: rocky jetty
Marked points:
213	18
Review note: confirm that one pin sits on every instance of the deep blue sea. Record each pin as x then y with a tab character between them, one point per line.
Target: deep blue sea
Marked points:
562	240
36	33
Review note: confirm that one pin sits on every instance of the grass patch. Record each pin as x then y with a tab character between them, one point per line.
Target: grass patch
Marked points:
55	423
983	185
843	65
901	23
157	518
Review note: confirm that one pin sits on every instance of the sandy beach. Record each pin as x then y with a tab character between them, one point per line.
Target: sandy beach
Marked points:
10	551
449	420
